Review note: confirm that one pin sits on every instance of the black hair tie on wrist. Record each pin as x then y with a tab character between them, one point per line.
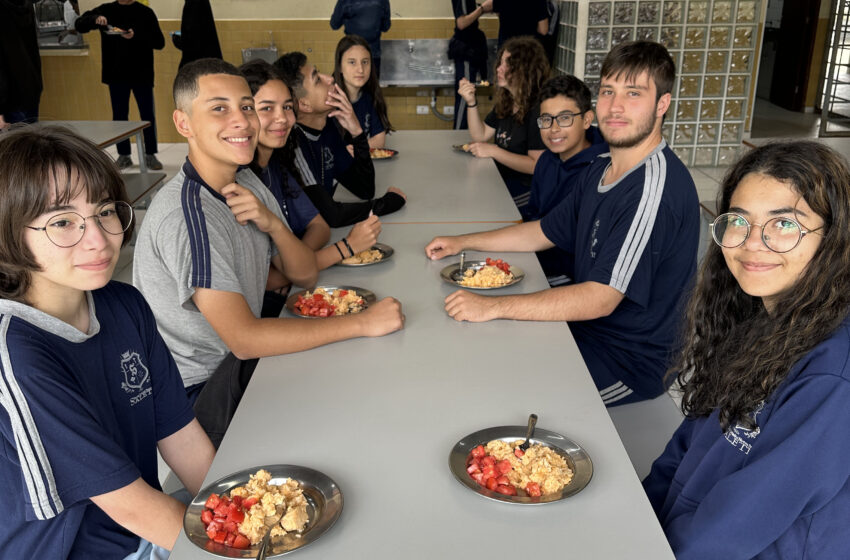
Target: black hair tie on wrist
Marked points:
339	250
347	246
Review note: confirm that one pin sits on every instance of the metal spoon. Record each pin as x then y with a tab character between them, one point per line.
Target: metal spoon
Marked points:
532	421
460	268
261	553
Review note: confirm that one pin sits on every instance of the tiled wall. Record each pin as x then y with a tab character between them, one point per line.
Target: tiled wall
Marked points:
714	44
72	88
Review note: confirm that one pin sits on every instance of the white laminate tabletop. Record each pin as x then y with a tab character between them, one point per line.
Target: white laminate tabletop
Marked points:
442	185
380	417
103	133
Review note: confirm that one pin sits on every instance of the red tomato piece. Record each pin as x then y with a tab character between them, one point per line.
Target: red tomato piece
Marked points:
222	509
215	525
489	471
207	517
212	501
519	453
504	466
471	469
488	461
241	541
249	503
211	533
502	480
220	536
478	477
237	500
229	540
478	452
506	490
237	516
533	489
318	297
342	293
490	483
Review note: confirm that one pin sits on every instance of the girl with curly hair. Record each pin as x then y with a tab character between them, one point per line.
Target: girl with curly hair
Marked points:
521	71
760	467
354	72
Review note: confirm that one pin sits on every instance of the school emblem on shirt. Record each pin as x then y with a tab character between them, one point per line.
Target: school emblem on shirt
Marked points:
593	240
738	435
136	375
503	138
367	123
328	158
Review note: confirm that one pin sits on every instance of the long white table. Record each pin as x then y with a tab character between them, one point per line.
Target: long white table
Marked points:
380	417
442	185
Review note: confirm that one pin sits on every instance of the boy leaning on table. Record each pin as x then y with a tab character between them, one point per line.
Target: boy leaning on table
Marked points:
631	226
573	143
205	246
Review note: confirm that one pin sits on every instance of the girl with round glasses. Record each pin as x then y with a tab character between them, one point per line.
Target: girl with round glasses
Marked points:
760	467
88	389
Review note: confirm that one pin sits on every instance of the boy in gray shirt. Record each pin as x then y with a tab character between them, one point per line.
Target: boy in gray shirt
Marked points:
204	249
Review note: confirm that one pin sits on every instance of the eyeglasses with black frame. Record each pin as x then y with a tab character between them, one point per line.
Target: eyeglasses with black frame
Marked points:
780	234
564	120
67	229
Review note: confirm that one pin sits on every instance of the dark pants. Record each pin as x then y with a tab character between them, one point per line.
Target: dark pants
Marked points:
376	62
119	94
29	115
216	400
472	71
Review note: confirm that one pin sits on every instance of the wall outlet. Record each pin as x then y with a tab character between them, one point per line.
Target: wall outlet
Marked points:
449	110
422	110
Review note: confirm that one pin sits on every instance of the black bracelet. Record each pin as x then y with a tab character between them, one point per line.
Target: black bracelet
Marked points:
471	106
347	246
339	250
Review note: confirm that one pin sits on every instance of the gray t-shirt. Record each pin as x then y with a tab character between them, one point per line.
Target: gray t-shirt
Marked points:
190	239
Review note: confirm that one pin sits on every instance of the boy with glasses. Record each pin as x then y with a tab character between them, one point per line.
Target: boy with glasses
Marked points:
630	228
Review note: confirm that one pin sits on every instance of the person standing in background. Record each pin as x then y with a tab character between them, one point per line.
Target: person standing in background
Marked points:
129	33
197	37
20	63
367	18
468	49
521	17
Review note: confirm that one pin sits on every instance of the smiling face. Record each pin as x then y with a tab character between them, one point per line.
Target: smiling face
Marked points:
221	126
564	141
356	66
275	110
627	111
316	86
66	271
759	271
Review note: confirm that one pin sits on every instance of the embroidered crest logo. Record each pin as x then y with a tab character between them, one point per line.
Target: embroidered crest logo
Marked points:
328	158
735	434
135	372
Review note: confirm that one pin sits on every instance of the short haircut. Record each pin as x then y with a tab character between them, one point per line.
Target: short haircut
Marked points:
289	66
257	73
42	166
186	87
635	57
571	88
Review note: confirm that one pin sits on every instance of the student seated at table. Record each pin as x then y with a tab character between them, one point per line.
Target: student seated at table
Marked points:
354	72
89	390
512	124
274	164
321	156
630	228
760	467
203	252
565	128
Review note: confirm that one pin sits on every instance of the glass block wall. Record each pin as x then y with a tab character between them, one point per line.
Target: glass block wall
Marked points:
713	43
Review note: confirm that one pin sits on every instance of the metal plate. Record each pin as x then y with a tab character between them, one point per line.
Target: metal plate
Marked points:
576	457
385	250
393	153
324	504
293	297
459	148
451	274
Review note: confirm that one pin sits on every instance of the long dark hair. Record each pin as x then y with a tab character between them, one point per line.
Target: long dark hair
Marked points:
257	73
528	68
738	353
43	166
371	86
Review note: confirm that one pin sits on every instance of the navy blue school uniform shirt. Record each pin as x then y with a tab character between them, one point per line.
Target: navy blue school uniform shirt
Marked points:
82	414
295	205
364	109
519	17
638	235
367	18
779	491
322	159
